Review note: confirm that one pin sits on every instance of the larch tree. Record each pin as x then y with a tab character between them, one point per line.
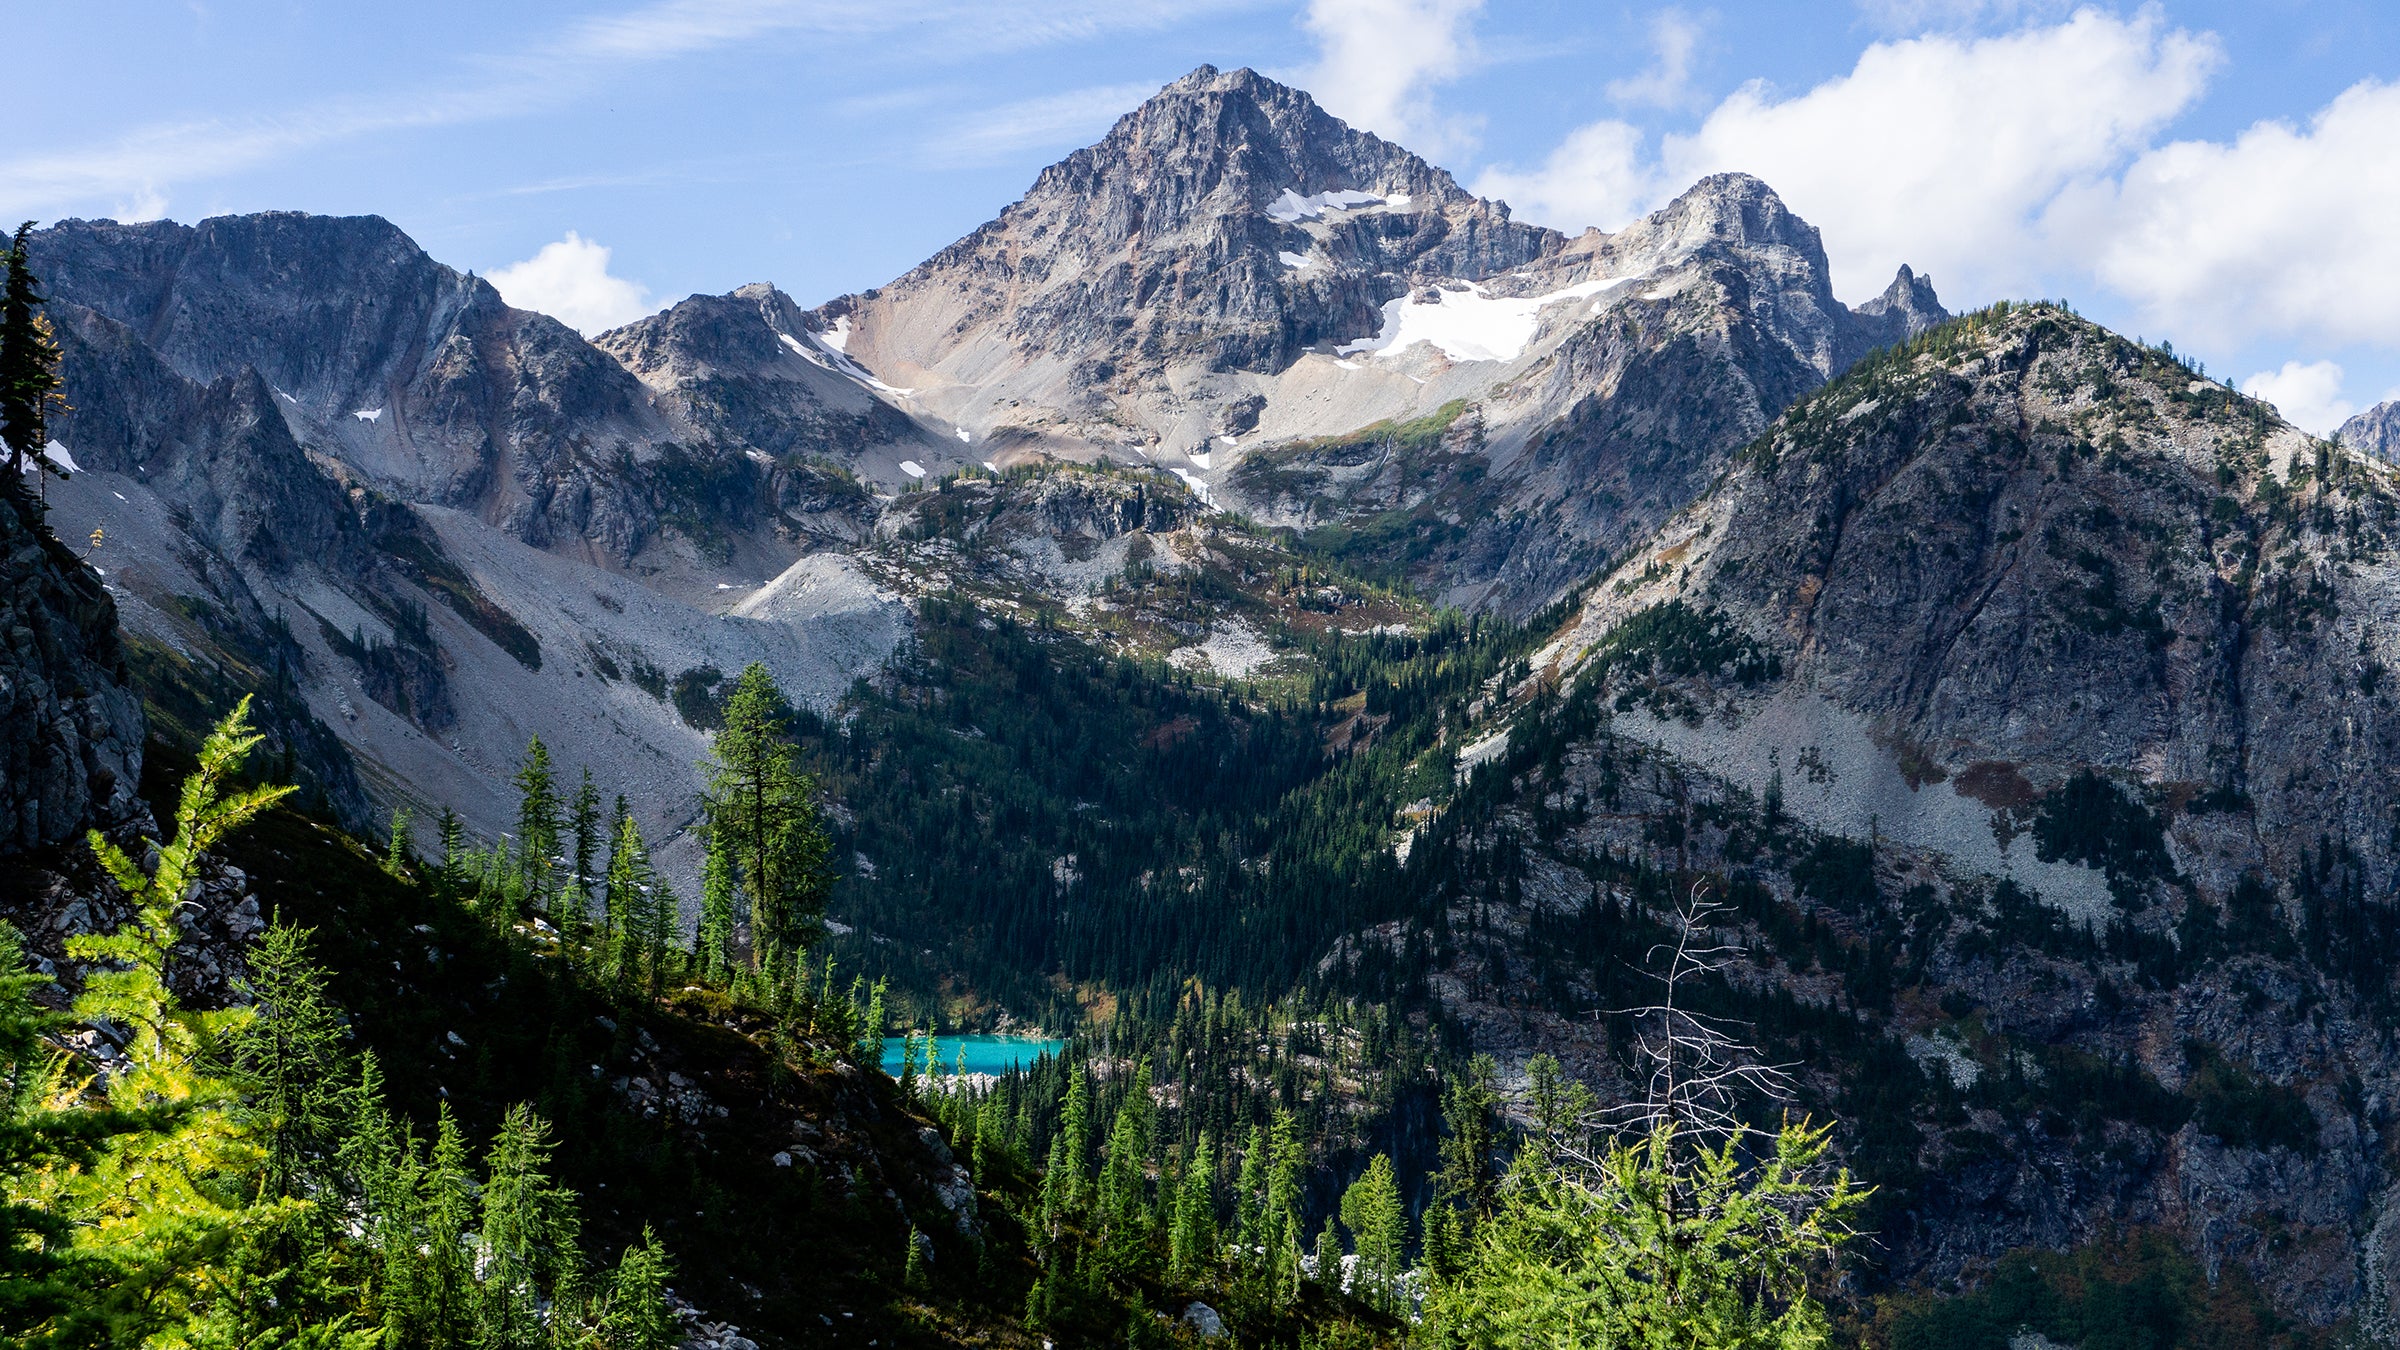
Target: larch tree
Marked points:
1378	1224
537	823
766	809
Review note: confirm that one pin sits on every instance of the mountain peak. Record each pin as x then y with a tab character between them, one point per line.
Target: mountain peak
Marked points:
2376	431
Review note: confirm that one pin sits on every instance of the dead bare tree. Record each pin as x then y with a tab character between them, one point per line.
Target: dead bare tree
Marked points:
1698	1071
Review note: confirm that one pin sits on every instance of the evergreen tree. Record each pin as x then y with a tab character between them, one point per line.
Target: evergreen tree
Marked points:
912	1275
1122	1207
630	895
1282	1217
766	808
46	1285
1249	1203
1378	1224
584	826
1662	1243
437	1306
712	942
155	1199
1470	1101
287	1057
452	882
537	824
1192	1244
395	858
29	378
1075	1129
527	1234
637	1315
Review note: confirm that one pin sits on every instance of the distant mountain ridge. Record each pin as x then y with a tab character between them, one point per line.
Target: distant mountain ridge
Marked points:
306	432
2376	431
1231	271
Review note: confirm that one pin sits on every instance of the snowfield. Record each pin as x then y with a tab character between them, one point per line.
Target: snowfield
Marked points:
1470	325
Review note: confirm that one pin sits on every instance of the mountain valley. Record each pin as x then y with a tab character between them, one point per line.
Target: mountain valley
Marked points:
1258	610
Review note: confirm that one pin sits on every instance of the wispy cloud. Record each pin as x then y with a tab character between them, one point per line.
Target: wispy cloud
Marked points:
1667	81
1061	120
148	164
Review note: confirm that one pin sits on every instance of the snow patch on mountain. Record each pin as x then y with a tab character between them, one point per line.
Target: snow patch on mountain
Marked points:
1291	208
1471	324
824	354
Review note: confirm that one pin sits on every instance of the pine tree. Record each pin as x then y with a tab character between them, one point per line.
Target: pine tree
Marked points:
537	824
584	826
870	1026
1122	1207
46	1287
767	810
1329	1256
1075	1129
29	380
1282	1217
1659	1242
1249	1202
156	1197
912	1275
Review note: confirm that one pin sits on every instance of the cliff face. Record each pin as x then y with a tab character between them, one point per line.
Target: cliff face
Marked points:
2028	697
1235	284
2376	431
416	376
339	475
70	724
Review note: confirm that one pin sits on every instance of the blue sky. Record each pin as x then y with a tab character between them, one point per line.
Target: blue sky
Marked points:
2225	175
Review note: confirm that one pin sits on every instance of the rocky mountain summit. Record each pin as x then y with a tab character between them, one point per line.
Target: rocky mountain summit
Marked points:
1239	286
2376	431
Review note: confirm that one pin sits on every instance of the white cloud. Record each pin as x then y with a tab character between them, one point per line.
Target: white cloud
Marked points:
1667	83
2286	230
1945	153
1940	151
2308	395
569	281
1379	60
1597	176
1071	118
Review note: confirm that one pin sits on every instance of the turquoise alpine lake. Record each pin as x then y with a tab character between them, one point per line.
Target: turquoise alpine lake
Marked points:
985	1054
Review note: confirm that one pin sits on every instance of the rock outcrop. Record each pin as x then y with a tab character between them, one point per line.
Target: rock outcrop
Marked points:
2027	698
2376	431
70	723
1237	284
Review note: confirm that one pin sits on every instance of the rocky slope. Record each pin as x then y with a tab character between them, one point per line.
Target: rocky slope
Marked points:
334	472
1235	284
2027	694
2376	431
70	724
